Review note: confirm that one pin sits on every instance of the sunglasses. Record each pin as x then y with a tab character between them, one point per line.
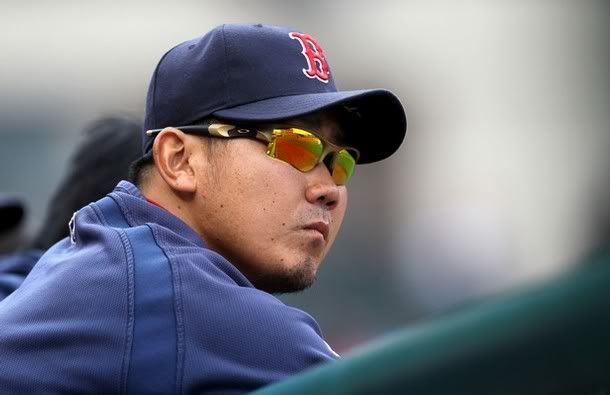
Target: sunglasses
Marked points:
300	148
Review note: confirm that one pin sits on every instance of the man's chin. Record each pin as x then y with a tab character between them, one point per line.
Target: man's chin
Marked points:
287	280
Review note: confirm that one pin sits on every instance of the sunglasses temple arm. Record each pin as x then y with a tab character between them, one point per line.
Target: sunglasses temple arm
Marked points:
224	130
211	130
218	130
202	130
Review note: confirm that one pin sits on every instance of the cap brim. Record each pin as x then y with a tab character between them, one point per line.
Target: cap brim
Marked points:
381	126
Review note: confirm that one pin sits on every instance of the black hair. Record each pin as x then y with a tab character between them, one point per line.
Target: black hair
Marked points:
140	168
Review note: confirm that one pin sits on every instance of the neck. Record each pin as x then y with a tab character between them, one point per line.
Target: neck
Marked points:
157	192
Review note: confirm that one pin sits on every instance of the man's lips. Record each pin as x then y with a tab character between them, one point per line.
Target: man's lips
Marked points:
320	226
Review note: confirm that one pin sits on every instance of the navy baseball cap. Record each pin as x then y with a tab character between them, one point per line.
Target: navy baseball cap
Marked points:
259	73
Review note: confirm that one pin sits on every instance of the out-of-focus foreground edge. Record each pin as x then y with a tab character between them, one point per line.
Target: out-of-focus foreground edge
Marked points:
552	338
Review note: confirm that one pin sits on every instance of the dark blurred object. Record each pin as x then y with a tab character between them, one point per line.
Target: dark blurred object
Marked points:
600	211
547	339
12	212
101	160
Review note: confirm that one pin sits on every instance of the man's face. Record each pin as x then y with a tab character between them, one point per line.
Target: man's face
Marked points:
272	221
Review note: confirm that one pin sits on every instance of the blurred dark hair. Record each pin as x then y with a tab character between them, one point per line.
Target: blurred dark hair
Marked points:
139	169
12	212
108	147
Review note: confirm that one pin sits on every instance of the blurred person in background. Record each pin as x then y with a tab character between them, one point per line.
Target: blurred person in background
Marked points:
109	145
165	285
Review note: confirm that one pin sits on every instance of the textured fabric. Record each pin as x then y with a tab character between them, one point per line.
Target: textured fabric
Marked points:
133	302
14	269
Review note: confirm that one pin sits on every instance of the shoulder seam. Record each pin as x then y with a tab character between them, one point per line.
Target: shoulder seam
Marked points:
178	311
130	310
129	260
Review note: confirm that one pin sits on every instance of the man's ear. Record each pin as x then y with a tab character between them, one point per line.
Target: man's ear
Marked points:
173	155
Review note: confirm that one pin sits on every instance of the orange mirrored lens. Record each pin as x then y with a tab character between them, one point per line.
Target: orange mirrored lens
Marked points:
298	148
303	150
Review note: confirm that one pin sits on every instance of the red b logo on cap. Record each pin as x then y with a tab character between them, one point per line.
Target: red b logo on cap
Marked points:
316	62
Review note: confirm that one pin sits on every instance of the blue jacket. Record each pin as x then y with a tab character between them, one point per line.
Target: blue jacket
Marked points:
133	302
14	269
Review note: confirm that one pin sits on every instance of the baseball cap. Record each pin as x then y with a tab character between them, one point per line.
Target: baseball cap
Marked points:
259	73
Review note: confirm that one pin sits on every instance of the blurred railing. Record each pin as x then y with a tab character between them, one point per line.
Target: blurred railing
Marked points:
552	338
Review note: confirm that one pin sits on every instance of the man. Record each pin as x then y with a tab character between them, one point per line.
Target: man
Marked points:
165	287
109	145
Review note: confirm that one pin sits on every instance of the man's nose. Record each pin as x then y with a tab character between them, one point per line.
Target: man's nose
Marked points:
321	188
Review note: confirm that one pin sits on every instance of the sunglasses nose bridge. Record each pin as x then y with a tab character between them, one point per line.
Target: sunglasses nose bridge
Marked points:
328	158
